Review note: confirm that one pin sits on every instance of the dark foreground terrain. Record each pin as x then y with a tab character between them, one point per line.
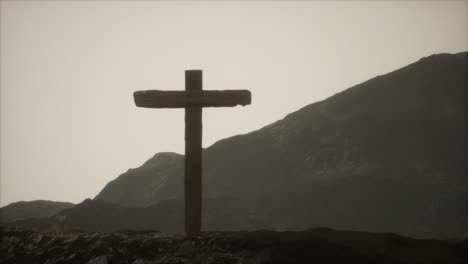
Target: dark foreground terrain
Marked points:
312	246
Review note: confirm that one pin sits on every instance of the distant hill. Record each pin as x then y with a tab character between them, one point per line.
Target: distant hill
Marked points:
387	155
167	215
34	209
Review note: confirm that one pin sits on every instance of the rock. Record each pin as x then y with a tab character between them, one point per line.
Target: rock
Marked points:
98	260
144	261
186	249
38	238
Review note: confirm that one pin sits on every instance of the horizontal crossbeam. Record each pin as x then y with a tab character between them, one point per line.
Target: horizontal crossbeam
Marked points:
181	99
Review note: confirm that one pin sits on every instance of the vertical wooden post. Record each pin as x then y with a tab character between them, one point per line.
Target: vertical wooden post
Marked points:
193	156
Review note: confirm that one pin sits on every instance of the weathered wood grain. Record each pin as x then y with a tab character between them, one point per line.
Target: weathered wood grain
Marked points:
182	99
193	157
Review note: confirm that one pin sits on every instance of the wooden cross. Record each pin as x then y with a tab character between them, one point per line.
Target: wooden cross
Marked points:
192	99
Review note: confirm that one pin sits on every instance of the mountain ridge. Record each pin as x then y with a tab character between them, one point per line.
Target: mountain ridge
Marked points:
31	209
392	147
386	155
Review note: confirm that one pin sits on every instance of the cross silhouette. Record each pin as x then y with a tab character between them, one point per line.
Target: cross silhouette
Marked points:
192	99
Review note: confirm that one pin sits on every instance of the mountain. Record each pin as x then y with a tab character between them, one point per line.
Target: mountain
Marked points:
157	179
387	155
34	209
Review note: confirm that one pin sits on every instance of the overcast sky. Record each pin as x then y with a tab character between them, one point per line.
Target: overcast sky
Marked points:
68	70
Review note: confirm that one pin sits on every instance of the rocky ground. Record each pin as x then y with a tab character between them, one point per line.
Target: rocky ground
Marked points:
321	245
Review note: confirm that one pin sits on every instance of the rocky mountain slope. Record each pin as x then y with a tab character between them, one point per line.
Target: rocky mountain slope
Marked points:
311	246
387	155
33	209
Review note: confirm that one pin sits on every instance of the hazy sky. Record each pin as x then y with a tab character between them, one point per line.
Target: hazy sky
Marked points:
68	70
